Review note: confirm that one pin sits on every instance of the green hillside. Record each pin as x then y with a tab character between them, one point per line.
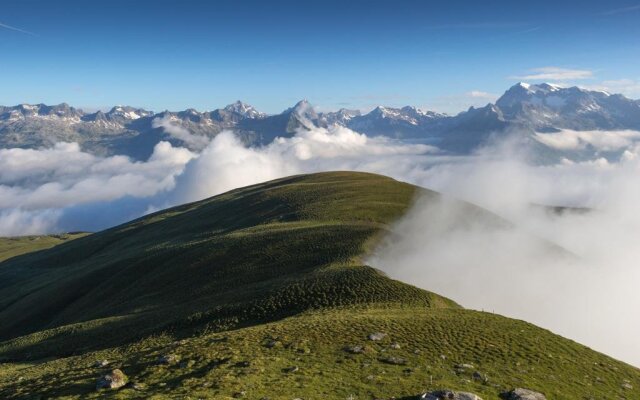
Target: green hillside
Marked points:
255	293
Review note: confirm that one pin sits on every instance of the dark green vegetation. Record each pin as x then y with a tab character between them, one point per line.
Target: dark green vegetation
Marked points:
243	287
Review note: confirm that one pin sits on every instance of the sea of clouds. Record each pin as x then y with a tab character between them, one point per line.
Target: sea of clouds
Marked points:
585	291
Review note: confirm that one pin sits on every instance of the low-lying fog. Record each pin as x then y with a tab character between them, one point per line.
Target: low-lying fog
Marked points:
583	287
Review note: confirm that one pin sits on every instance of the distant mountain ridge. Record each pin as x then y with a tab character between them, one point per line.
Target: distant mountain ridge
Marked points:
132	131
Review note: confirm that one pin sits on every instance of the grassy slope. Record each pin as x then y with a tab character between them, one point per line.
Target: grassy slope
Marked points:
279	260
15	246
251	255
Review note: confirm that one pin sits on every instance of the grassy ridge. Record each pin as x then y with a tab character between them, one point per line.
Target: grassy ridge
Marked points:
15	246
214	281
251	255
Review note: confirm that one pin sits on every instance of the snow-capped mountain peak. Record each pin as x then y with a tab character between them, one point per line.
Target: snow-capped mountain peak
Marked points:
523	108
128	113
244	110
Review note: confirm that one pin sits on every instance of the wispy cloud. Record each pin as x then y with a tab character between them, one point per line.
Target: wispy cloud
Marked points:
477	94
627	87
533	29
13	28
555	74
622	10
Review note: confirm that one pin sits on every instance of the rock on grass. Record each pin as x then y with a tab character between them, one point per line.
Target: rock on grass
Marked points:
376	336
393	360
113	380
525	394
168	359
449	395
101	363
354	349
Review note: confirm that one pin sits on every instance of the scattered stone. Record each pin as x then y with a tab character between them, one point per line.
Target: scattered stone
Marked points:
113	380
303	350
393	360
354	349
463	366
271	344
395	346
525	394
187	364
417	351
449	395
377	336
238	395
101	363
477	376
291	369
443	356
627	385
168	359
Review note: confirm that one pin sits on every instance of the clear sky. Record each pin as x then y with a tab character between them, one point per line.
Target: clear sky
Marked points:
442	55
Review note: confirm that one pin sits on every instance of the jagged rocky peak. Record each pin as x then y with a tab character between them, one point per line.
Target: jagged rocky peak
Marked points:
128	112
341	117
245	110
406	114
62	110
419	113
384	112
303	109
380	111
301	106
548	106
191	111
346	111
28	109
548	94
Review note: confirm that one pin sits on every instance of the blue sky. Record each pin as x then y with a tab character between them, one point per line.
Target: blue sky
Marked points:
444	55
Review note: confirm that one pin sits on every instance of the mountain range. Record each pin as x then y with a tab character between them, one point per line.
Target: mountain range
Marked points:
523	108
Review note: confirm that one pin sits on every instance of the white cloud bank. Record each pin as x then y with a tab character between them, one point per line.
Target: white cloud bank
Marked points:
504	270
588	294
37	187
198	142
54	189
580	140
